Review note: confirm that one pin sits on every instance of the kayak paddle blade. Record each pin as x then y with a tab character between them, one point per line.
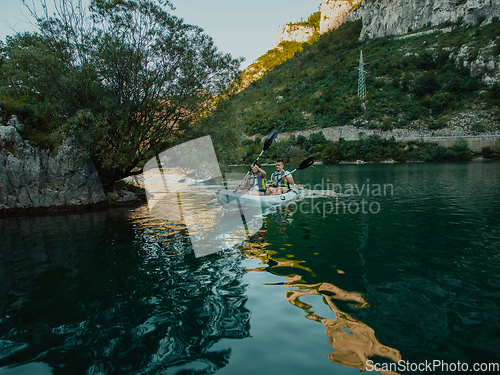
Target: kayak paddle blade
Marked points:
306	163
270	139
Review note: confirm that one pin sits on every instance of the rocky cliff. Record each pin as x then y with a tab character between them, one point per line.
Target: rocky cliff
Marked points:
397	17
392	17
35	178
334	13
296	33
31	177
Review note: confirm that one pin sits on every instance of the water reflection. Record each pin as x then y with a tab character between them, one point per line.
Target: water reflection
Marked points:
115	292
353	342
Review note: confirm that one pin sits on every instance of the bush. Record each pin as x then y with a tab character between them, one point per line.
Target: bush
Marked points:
330	154
425	61
461	150
426	84
487	152
496	150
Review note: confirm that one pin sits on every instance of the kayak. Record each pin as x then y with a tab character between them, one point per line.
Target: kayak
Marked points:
208	180
231	199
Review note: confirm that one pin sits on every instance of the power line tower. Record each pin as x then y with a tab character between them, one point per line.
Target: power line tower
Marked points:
361	79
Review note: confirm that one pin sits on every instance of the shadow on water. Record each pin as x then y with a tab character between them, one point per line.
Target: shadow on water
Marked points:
114	292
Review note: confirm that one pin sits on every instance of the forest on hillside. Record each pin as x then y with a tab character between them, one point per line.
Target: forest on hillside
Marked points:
416	82
412	82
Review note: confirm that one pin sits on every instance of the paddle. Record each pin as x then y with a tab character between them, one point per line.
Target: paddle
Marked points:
269	140
305	164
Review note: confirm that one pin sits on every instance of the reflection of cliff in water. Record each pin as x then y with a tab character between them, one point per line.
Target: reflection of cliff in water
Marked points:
114	292
353	342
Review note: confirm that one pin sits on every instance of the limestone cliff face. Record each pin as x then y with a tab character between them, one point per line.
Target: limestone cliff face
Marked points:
334	13
397	17
392	17
295	33
31	177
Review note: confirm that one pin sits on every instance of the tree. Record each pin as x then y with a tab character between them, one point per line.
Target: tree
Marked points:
496	149
461	150
330	154
226	130
426	84
125	79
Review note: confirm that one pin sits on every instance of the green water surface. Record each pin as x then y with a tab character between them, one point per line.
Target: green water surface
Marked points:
321	288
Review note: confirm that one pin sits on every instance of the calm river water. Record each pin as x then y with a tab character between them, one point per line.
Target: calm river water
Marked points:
401	265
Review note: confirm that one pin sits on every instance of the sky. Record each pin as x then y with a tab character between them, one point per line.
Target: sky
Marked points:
241	28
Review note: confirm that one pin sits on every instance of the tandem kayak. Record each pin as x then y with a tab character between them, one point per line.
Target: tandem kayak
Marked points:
231	199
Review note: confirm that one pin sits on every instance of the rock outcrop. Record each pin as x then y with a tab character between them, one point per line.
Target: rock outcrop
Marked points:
33	178
334	13
393	17
295	33
398	17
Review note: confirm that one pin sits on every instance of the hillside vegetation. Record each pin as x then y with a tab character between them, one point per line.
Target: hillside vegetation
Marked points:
417	82
278	55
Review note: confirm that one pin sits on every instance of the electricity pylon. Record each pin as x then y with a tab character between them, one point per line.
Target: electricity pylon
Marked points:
361	79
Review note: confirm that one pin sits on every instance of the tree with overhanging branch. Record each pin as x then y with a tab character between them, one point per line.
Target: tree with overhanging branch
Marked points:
124	78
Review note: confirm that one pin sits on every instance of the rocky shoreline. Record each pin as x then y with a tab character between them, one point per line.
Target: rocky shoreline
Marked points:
34	180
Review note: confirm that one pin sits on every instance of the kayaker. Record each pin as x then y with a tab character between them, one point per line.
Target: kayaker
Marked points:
255	182
281	180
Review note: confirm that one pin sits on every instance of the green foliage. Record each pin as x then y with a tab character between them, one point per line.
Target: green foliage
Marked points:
409	79
461	150
375	149
312	21
369	149
495	152
487	152
330	154
125	81
494	96
426	84
225	130
291	150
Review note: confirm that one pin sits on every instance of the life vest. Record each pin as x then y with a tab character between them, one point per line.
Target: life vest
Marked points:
278	181
256	179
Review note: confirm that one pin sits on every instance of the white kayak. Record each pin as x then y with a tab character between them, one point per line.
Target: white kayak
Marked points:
208	180
231	199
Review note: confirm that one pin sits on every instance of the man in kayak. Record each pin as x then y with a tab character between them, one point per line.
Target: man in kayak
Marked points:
281	180
255	182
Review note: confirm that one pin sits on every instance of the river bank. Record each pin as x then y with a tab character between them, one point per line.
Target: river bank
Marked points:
446	137
35	180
